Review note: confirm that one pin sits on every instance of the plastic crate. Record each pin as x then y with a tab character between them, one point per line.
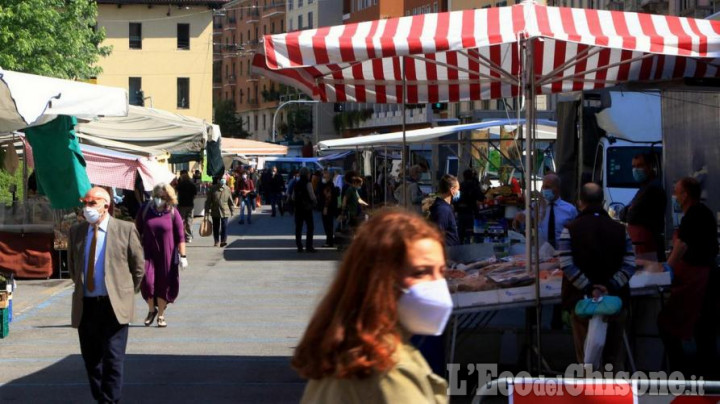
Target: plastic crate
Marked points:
4	323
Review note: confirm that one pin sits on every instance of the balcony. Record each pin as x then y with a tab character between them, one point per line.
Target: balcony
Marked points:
232	80
253	77
253	16
274	9
253	103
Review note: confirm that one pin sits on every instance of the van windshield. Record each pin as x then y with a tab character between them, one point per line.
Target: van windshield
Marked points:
619	165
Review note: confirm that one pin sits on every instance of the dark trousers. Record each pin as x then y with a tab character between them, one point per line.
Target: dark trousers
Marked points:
613	351
328	224
220	229
186	212
304	216
275	201
102	343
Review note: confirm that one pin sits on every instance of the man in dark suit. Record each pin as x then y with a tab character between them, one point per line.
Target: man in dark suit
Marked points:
106	263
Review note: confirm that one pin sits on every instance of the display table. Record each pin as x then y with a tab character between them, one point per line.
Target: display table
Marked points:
466	303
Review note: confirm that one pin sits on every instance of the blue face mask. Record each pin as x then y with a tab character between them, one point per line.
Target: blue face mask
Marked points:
223	181
548	194
456	197
677	208
639	174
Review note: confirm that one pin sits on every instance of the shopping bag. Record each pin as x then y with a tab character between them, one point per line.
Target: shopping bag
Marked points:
206	227
603	305
595	341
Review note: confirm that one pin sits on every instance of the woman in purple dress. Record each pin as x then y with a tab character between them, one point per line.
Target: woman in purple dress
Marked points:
163	240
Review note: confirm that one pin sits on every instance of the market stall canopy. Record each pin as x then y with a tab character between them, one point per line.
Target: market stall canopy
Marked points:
117	169
478	54
251	147
28	99
147	128
546	131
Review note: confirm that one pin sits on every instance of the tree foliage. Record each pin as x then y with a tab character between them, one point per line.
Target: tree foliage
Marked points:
227	119
55	38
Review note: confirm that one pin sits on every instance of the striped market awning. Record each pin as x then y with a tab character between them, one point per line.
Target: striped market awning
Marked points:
479	54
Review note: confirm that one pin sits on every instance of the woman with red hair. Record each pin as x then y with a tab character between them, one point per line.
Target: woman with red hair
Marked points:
390	286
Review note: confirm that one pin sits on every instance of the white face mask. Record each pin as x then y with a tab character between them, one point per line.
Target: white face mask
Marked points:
244	176
425	308
159	202
92	215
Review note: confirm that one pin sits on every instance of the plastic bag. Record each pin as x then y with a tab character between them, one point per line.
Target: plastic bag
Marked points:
604	305
595	341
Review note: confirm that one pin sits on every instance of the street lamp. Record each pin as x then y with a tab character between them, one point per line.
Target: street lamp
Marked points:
274	131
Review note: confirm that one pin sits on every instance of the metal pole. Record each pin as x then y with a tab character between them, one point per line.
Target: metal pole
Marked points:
274	130
405	170
529	184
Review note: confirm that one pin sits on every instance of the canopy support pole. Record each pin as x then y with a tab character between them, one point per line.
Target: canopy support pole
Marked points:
405	171
385	176
530	241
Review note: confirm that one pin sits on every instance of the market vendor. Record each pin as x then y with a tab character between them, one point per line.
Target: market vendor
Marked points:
597	258
441	211
554	212
695	249
645	215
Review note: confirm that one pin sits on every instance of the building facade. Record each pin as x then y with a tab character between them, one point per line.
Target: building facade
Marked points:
161	52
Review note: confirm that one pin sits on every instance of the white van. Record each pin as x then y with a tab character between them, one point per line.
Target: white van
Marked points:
632	125
286	165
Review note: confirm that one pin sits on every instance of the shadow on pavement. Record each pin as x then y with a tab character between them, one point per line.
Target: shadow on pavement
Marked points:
277	250
167	379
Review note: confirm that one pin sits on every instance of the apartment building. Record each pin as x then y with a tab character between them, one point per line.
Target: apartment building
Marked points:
162	52
239	33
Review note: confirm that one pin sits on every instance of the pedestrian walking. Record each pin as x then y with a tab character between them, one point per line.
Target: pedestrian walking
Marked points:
219	205
106	264
275	185
161	229
390	286
328	202
352	203
246	191
441	211
186	191
304	201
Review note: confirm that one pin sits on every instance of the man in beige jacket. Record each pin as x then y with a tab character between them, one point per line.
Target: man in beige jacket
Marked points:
106	264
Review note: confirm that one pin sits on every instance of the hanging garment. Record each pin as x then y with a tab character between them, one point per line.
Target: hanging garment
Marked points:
59	162
11	160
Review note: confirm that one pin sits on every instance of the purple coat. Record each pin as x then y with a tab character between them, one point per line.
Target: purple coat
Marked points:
161	233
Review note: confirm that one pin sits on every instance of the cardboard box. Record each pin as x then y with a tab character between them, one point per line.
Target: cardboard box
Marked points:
643	279
470	299
551	287
4	300
519	294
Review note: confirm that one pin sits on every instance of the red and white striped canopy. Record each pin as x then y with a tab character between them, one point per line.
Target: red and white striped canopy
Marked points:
476	54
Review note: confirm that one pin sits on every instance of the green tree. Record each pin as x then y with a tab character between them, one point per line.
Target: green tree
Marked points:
55	38
230	124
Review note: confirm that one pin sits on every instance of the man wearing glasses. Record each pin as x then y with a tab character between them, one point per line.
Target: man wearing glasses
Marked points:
106	264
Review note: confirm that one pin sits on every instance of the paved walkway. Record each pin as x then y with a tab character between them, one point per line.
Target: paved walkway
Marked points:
229	338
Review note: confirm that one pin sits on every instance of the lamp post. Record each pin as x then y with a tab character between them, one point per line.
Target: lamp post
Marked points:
274	130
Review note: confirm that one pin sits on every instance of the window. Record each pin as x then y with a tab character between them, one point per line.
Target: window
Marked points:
310	19
135	91
135	35
300	24
272	27
264	121
264	29
241	39
291	26
183	93
310	1
300	3
256	122
435	7
282	25
290	4
183	36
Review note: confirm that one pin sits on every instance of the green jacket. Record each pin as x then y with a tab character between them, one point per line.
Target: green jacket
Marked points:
410	381
219	202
